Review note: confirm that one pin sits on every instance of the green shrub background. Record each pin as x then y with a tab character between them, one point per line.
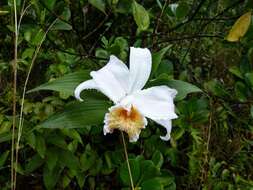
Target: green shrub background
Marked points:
211	144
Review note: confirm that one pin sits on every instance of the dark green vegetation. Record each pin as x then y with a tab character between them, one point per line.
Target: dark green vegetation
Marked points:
62	145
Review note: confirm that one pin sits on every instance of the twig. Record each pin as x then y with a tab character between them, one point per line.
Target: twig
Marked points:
190	18
95	29
53	13
190	38
85	56
158	20
225	10
127	161
22	14
100	36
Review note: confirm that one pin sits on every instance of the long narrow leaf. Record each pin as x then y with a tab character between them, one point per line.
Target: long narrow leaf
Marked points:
65	84
79	115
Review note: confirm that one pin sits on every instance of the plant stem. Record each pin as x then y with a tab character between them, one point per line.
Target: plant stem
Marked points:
20	125
13	186
128	165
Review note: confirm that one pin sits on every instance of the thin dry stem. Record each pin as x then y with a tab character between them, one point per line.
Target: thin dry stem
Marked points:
14	93
20	125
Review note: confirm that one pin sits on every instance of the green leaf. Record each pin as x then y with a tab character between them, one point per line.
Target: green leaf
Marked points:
157	58
148	170
65	181
68	159
99	4
157	159
167	180
5	127
236	71
52	158
50	3
135	169
215	87
88	158
57	140
181	10
141	16
249	79
183	88
34	163
3	157
41	146
72	133
5	137
79	115
50	177
37	39
152	184
66	84
241	91
28	53
31	140
61	25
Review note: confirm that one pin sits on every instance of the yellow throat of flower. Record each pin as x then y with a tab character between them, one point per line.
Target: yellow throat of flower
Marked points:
131	121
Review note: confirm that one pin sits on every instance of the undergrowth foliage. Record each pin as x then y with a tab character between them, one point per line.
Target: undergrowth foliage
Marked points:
202	48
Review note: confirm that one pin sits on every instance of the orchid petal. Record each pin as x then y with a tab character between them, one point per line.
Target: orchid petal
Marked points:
155	103
112	79
89	84
119	70
140	68
167	123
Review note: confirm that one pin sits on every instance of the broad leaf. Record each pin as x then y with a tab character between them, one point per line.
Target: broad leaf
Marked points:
99	4
78	115
152	184
157	58
65	84
240	28
141	16
183	88
135	169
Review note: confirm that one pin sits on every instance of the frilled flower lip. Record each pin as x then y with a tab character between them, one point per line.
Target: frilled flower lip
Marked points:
124	87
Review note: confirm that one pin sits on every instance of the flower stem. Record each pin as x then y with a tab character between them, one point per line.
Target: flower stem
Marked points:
128	165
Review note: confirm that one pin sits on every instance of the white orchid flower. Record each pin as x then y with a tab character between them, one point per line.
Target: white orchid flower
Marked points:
132	104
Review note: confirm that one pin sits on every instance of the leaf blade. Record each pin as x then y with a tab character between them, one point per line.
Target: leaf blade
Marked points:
239	28
141	16
65	84
78	115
